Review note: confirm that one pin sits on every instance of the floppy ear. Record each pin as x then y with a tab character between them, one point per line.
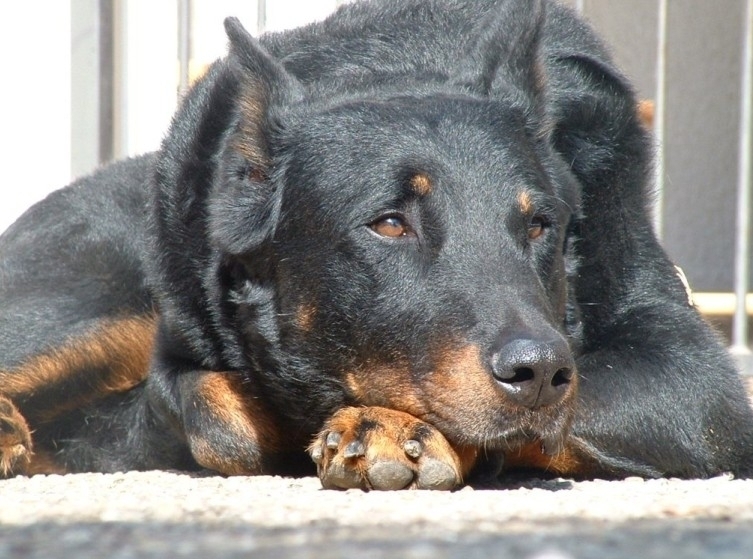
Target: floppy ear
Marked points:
245	205
506	51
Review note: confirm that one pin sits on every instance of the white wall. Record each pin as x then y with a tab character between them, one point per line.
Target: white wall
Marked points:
35	97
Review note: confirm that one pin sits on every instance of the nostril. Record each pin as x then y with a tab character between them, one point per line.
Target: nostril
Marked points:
534	373
516	375
562	377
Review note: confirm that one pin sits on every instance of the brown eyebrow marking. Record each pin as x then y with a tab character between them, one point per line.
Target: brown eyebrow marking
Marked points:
524	202
421	184
305	317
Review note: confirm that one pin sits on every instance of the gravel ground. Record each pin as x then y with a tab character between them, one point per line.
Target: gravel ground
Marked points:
173	514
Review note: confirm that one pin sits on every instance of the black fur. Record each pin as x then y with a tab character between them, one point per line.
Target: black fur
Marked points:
262	202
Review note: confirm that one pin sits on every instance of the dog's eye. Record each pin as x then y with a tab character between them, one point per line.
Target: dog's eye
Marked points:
536	227
392	226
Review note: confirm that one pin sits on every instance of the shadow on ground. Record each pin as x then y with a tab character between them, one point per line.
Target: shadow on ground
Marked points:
560	540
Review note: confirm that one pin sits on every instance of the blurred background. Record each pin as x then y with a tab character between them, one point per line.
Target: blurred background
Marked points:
88	81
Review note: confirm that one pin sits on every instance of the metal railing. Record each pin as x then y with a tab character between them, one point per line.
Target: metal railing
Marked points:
740	335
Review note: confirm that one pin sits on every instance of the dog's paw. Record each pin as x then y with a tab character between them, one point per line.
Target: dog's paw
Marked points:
378	448
15	440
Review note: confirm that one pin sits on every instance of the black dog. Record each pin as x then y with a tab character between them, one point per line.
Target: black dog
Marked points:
416	232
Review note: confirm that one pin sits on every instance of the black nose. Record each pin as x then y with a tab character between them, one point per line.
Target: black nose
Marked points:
534	373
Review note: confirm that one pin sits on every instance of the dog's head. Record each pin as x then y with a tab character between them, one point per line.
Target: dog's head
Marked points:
398	246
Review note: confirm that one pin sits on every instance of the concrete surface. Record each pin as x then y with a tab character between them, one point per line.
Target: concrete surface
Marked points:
172	514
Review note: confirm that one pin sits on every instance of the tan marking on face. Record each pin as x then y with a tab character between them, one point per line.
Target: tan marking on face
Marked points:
114	357
459	392
467	404
459	396
374	387
421	184
461	389
525	203
389	386
305	317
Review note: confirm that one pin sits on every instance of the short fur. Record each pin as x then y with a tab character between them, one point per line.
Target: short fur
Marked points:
398	233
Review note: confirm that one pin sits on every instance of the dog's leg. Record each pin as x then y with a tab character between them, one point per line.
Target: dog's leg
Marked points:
227	426
379	448
110	358
579	458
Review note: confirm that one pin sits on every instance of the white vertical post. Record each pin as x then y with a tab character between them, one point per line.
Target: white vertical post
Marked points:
184	45
147	36
740	346
86	78
660	121
261	16
35	113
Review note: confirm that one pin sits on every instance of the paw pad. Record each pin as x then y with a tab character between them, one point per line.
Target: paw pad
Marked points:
377	448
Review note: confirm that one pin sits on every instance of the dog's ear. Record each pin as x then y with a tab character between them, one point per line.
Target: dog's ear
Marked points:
277	84
245	205
264	86
505	52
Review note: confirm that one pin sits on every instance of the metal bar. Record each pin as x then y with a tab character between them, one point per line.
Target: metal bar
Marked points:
106	109
740	346
120	73
660	121
184	46
91	85
580	5
261	16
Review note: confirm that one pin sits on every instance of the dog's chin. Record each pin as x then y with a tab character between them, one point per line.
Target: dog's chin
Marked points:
503	432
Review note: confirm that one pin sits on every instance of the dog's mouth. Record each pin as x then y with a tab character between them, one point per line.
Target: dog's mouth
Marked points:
501	426
462	398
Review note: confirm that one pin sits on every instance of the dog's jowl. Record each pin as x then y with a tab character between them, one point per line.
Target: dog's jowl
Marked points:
401	247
